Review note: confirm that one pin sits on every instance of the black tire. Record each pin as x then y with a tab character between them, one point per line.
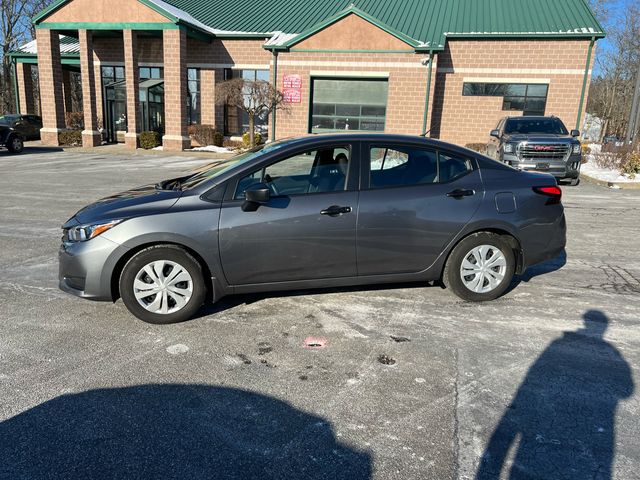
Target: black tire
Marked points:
575	182
170	253
15	144
452	276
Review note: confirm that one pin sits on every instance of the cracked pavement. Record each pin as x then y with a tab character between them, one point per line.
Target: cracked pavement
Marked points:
541	383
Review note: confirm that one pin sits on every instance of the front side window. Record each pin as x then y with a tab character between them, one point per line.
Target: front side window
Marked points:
407	165
348	104
314	171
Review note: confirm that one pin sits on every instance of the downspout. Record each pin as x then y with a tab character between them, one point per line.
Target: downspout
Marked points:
427	95
275	85
584	82
15	85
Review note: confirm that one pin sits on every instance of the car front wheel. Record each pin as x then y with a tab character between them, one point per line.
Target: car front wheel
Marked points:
480	267
162	284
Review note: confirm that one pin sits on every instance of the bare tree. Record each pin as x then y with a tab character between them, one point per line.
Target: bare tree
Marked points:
15	29
611	91
256	98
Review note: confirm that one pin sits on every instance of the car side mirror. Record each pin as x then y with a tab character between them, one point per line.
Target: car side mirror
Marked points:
575	133
254	196
495	133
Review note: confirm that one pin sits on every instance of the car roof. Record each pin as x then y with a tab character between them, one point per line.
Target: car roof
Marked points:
367	137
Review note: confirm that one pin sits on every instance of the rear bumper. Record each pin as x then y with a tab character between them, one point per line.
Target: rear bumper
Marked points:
537	250
85	268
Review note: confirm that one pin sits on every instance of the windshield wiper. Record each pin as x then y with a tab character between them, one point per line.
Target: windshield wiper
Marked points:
171	184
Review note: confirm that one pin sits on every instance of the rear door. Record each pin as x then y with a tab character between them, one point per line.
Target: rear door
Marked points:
306	231
414	201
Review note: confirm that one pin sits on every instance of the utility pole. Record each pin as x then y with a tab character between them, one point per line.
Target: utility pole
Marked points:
632	126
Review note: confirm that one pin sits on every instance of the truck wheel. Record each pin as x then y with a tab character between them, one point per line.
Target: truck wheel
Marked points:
15	144
162	284
480	267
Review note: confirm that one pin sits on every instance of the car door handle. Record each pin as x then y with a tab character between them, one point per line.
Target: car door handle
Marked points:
461	192
335	210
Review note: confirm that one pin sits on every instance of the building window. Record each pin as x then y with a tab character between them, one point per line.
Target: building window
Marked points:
193	97
531	99
111	75
150	73
236	122
345	104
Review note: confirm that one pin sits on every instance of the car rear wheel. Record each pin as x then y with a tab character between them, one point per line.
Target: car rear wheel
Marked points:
162	284
15	144
480	267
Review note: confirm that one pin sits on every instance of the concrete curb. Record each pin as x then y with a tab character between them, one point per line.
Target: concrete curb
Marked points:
604	183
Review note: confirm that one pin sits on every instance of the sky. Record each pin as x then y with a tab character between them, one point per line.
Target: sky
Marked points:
617	10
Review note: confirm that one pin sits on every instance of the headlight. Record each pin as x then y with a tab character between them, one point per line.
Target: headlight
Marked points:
82	233
576	148
507	148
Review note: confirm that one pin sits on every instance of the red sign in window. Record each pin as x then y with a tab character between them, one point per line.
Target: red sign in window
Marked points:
292	81
292	95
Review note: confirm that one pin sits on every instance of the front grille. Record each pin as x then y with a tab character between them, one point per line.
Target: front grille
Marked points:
538	151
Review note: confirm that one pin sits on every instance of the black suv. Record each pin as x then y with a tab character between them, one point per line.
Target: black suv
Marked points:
27	125
537	143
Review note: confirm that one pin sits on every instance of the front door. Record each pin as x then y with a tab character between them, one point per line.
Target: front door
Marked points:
305	231
417	201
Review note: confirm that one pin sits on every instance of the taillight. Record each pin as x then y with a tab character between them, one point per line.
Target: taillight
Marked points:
554	193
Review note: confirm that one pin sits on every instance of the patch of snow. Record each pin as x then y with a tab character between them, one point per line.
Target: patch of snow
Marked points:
212	148
159	148
605	174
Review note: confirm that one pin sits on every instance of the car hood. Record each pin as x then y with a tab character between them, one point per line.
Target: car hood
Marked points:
537	137
136	202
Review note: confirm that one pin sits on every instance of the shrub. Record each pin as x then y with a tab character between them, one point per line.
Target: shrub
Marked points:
206	135
257	138
150	140
232	144
631	165
70	138
74	120
477	147
218	139
586	149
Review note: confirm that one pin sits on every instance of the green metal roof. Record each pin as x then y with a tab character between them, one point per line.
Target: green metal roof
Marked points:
427	22
423	24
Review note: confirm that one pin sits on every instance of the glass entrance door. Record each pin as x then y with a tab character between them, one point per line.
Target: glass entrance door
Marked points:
116	111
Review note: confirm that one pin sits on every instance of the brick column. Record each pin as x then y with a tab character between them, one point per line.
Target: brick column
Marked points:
90	135
207	98
50	71
25	88
175	90
132	76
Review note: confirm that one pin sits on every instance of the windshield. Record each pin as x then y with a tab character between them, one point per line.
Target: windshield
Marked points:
216	169
7	119
535	125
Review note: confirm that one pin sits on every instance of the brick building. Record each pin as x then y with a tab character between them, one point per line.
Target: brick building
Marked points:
450	68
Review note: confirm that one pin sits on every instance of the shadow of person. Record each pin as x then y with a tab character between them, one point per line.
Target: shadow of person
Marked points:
173	431
561	422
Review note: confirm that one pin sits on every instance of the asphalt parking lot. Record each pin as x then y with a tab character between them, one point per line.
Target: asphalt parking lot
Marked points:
542	383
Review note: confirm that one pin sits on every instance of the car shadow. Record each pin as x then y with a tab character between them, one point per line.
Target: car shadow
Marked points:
233	301
561	420
174	431
533	271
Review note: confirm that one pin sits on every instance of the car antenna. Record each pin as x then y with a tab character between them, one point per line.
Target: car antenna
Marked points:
424	134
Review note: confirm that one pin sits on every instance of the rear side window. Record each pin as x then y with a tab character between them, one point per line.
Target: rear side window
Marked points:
398	166
405	166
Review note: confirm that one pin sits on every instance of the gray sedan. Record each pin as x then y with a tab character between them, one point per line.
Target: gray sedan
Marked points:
317	211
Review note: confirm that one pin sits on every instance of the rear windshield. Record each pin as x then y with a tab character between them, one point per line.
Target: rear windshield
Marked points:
535	125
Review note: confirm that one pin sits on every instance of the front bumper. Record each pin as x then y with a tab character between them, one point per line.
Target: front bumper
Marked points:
569	168
85	268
